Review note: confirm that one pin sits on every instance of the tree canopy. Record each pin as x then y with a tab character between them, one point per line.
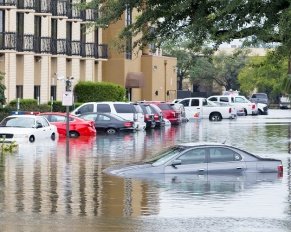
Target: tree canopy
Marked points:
201	21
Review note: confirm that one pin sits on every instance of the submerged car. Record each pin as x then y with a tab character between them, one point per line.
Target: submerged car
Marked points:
109	123
200	159
77	126
26	128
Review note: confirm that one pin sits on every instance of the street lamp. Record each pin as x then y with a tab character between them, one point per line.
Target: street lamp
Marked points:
67	99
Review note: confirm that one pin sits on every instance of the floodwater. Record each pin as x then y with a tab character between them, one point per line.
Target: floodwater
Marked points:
46	187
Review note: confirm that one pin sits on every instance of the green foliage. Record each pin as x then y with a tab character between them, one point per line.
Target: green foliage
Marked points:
2	89
228	67
87	91
8	147
265	73
201	21
58	107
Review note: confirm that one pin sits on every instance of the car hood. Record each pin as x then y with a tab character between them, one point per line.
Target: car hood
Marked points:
129	169
13	130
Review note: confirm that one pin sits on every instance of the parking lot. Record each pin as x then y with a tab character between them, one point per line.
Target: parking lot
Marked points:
45	187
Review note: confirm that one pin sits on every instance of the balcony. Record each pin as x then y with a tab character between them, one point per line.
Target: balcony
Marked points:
89	15
42	6
24	43
25	4
48	45
7	2
73	12
59	7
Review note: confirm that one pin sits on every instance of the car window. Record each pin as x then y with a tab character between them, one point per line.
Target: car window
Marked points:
224	99
213	99
194	156
185	102
44	122
219	154
165	107
103	118
240	100
89	117
103	108
137	108
124	108
86	109
195	102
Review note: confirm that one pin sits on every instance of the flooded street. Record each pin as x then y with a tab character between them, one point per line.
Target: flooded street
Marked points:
47	188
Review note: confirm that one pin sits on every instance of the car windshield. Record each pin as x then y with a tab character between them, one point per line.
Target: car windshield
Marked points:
164	156
18	122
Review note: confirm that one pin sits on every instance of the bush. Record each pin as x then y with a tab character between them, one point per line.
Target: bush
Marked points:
87	91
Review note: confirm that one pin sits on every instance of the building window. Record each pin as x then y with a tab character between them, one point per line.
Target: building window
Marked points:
69	31
19	91
2	27
128	48
96	36
37	92
20	23
54	92
2	20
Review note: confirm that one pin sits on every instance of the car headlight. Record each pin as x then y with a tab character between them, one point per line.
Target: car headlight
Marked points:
20	136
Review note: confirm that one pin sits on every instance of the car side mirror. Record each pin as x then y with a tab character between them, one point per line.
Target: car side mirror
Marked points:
176	162
38	125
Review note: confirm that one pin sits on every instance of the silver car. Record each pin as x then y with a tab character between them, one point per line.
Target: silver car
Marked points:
200	159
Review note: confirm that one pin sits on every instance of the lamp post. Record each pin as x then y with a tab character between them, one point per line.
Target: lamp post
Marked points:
67	99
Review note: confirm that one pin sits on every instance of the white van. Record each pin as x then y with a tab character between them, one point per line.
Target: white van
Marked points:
126	110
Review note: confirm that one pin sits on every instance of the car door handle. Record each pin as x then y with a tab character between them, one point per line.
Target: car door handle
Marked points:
238	168
201	170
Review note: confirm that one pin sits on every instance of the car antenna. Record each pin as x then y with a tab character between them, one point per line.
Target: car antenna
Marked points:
224	142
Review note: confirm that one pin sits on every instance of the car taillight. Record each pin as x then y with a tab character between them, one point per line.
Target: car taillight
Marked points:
253	106
196	115
127	124
280	168
156	116
229	111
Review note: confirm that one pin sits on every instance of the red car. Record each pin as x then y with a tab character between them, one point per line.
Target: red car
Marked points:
78	127
169	111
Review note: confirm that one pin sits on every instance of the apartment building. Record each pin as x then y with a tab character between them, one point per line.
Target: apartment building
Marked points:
42	40
146	74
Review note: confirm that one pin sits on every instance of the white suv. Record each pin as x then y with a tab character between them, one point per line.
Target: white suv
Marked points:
127	110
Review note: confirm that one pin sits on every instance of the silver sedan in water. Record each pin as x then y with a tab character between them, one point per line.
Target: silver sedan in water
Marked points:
200	159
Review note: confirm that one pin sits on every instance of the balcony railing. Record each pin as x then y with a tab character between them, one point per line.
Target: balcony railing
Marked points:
89	15
24	43
73	12
25	4
59	7
42	6
7	2
48	45
8	41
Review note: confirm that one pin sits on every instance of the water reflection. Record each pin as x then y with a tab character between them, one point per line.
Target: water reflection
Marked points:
46	183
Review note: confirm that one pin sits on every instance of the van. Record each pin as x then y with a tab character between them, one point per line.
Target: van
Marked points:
126	110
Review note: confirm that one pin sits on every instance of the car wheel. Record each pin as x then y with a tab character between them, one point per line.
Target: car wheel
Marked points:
260	112
215	117
31	139
246	113
73	134
53	136
111	131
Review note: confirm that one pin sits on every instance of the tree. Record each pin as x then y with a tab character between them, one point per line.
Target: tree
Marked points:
189	63
228	67
2	89
201	21
264	73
